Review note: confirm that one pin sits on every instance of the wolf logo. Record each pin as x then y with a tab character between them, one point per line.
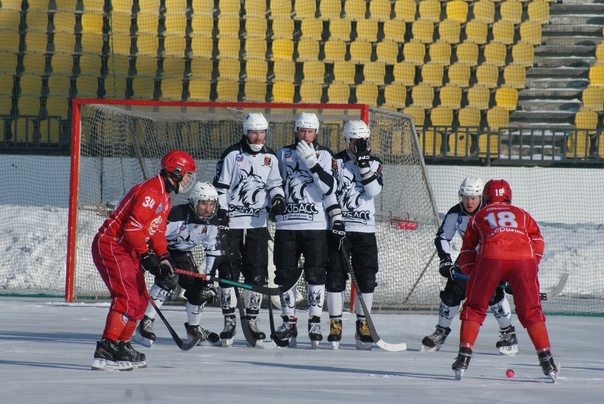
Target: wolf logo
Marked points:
250	190
296	182
351	193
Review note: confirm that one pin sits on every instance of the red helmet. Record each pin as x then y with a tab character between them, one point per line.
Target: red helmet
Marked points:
497	191
178	164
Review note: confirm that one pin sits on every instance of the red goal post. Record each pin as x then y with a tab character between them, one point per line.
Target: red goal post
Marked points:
116	144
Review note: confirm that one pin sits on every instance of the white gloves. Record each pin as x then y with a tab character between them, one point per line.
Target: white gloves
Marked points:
306	152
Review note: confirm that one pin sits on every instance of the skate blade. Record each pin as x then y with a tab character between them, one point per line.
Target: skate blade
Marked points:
104	365
226	342
429	349
363	346
139	339
259	344
314	344
459	374
335	345
554	375
293	342
508	350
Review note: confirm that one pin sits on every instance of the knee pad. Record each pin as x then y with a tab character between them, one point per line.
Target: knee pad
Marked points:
497	296
167	282
449	298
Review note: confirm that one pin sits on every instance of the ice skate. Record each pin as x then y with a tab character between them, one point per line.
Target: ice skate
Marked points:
136	358
314	331
288	330
107	356
508	343
259	336
363	338
434	341
207	337
461	362
335	333
229	331
549	367
144	334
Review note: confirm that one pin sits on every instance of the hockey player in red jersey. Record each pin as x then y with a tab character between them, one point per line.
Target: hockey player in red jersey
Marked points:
502	242
131	240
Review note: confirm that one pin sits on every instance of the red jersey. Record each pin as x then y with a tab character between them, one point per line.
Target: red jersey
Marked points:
500	231
139	220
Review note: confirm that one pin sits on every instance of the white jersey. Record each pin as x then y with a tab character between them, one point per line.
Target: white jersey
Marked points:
184	231
455	222
304	190
355	195
246	183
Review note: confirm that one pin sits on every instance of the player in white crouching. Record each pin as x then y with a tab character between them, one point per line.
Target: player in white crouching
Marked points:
188	225
456	221
359	179
306	168
247	181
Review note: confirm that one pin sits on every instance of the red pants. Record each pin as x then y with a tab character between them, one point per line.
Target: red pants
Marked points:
522	277
121	271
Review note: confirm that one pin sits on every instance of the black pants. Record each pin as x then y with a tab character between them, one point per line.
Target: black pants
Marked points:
248	250
290	245
362	248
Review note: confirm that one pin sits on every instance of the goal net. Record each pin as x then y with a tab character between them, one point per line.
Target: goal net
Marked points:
117	144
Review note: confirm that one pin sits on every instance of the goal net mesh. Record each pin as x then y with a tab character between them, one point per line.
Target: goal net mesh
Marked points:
122	144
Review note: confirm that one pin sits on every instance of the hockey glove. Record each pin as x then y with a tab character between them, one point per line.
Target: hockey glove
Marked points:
155	265
306	152
223	220
338	230
209	293
362	153
446	268
278	205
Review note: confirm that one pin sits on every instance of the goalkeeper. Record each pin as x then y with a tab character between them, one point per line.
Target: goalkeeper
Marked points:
455	221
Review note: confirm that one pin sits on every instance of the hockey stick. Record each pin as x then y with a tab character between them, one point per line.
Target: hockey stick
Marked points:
543	295
255	288
279	342
421	275
185	346
376	338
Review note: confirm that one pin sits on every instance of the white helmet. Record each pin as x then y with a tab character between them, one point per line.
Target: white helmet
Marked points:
471	186
355	130
254	121
203	191
307	120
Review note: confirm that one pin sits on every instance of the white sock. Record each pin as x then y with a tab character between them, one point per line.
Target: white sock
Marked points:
335	303
252	300
159	296
446	315
288	302
194	313
228	298
316	297
368	299
503	313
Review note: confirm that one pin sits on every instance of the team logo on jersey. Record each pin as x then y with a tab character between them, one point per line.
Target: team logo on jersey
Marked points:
288	155
239	158
267	161
160	207
154	225
352	192
205	230
249	196
182	227
297	207
459	220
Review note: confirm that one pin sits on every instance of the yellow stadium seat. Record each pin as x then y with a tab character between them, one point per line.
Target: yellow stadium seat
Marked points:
467	53
578	144
414	52
523	53
308	49
29	105
423	31
514	76
593	98
202	46
503	32
8	64
283	91
395	96
469	118
360	52
476	32
175	24
256	69
64	42
511	10
174	46
367	94
255	48
330	9
506	97
255	28
146	65
121	6
431	142
63	22
338	93
450	96
283	49
344	72
199	89
440	52
405	10
432	74
530	32
459	74
280	9
172	89
596	75
115	86
120	23
87	86
422	95
429	10
498	118
538	11
229	69
311	92
374	73
418	115
335	51
145	23
313	71
37	21
30	84
34	63
202	25
227	90
395	30
305	9
380	10
387	52
284	70
121	44
228	26
175	67
228	48
404	74
173	6
10	41
58	85
367	30
256	9
10	19
143	88
484	11
312	28
57	106
495	54
488	145
355	10
479	97
282	29
449	31
229	8
457	10
147	7
37	41
255	90
487	76
340	30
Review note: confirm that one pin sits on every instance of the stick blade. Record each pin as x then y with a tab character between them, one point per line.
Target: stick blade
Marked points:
391	347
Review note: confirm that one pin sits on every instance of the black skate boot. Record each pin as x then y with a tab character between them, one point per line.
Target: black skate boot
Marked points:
229	331
335	332
363	336
288	330
508	343
136	358
144	334
107	356
252	322
548	365
314	331
461	362
434	341
207	337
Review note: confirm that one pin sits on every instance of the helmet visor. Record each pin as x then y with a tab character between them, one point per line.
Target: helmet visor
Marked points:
187	182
